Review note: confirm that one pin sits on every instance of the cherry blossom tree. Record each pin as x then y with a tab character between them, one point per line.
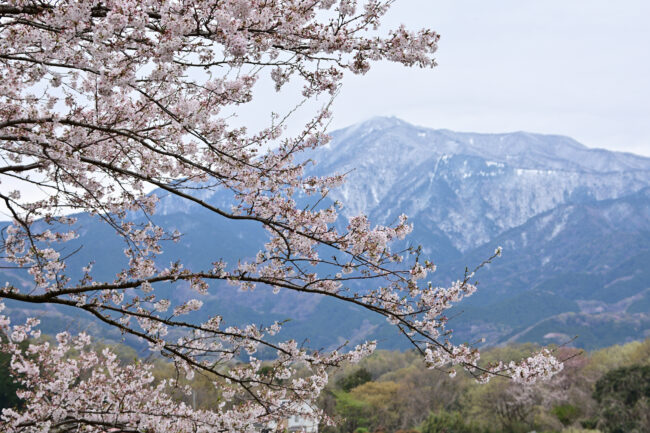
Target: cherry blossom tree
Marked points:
103	101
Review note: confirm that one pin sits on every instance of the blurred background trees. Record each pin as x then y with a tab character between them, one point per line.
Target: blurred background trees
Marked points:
605	391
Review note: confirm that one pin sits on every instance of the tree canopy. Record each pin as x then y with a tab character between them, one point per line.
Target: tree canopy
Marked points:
103	101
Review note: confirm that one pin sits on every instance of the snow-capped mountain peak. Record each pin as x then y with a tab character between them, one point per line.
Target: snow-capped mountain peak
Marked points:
471	186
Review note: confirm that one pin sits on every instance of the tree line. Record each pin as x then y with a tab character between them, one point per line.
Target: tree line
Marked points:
604	391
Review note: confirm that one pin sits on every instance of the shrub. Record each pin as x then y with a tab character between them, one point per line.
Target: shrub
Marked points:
566	413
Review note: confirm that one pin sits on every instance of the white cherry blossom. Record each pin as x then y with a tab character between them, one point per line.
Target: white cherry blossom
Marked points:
101	102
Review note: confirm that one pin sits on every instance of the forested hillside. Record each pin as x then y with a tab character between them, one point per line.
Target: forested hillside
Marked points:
606	391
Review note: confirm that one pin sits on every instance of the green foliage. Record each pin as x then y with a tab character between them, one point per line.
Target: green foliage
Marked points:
625	385
265	370
8	388
384	402
566	413
355	379
447	422
355	413
623	397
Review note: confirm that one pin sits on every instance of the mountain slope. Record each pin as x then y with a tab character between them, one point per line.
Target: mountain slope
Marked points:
470	186
574	223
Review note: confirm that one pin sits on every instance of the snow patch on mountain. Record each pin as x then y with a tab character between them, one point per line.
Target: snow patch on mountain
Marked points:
472	186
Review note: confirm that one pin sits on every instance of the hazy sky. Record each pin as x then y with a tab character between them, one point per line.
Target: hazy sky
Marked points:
577	68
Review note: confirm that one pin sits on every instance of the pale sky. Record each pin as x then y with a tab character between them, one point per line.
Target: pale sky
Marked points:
573	67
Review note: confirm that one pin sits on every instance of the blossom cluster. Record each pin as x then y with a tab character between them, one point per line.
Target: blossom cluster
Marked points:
102	101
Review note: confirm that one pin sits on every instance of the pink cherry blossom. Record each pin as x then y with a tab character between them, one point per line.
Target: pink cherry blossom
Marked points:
102	102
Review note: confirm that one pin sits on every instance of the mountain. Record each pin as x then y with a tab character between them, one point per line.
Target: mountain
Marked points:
574	223
472	187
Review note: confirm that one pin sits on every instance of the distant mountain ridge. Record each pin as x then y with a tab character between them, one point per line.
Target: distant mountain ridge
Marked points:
464	183
528	150
574	223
